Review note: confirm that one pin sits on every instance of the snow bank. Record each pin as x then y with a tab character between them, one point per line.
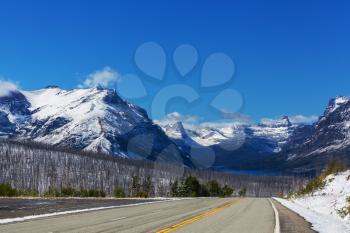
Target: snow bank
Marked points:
323	208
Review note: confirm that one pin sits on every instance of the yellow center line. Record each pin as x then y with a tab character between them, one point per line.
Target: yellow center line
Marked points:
198	217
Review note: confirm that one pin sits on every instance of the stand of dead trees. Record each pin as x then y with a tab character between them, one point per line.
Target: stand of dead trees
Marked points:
41	169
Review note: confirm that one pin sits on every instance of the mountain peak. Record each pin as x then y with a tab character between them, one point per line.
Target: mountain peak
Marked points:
175	129
283	122
177	124
336	102
285	119
52	87
100	87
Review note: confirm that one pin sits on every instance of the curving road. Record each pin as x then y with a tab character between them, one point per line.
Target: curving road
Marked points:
228	215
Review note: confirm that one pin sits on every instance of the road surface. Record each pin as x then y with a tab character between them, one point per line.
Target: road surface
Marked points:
20	207
226	215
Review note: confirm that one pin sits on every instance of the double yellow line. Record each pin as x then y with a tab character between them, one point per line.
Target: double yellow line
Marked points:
198	217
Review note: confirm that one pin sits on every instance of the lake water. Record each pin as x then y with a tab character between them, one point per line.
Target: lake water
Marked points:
250	172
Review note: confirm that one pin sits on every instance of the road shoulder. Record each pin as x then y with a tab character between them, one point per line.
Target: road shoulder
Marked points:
291	222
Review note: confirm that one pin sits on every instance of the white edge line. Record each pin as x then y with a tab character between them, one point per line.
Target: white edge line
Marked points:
21	219
277	218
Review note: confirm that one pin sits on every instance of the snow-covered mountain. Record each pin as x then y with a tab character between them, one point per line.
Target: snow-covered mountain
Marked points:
94	119
233	145
272	134
275	133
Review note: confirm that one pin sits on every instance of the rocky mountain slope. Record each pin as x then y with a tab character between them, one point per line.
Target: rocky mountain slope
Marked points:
93	119
328	139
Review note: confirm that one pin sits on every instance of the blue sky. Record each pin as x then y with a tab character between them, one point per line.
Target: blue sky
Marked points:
290	56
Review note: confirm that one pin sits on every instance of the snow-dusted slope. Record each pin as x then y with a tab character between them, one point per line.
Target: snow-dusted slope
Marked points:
324	208
84	116
94	119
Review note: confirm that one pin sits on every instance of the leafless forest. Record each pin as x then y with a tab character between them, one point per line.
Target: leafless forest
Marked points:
37	167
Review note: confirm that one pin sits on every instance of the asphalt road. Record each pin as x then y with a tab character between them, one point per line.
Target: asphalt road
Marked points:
20	207
248	215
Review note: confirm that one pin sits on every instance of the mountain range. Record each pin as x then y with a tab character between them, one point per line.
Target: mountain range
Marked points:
98	120
279	144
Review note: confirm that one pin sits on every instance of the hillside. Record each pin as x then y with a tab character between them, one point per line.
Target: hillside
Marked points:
325	203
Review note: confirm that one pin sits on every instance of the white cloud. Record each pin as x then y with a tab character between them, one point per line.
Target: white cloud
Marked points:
300	119
269	121
237	118
6	87
216	124
174	117
194	122
107	77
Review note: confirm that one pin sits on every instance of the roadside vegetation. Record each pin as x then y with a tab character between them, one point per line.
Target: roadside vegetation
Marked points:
191	187
71	192
319	182
7	191
346	210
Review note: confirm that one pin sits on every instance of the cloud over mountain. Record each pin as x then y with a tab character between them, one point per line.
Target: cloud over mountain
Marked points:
106	77
6	87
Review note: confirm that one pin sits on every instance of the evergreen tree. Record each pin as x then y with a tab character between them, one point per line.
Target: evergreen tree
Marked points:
135	188
214	188
193	186
227	191
242	192
174	189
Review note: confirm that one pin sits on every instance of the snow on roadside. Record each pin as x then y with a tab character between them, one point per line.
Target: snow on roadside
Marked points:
322	207
321	223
